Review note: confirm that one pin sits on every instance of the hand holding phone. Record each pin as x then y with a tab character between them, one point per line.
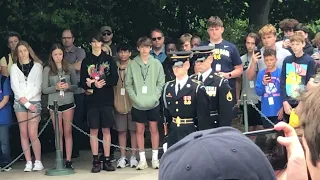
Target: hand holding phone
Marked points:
296	166
267	142
267	78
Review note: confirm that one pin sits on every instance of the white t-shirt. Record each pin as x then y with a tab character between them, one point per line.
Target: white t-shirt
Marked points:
281	54
248	87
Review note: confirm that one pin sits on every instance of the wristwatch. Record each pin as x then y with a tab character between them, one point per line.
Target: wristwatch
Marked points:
230	75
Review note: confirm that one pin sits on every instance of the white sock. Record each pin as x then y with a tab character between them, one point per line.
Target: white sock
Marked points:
142	156
154	154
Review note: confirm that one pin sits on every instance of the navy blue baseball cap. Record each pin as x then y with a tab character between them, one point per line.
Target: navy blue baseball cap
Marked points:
215	154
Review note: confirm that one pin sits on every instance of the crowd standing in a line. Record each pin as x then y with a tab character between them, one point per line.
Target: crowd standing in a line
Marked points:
190	90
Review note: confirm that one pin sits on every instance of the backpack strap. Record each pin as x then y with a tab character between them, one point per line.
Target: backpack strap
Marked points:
7	58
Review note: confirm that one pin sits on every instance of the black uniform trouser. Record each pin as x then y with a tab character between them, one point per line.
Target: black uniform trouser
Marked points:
176	133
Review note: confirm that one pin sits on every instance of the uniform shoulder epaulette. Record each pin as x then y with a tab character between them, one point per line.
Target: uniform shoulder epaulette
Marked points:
193	76
196	81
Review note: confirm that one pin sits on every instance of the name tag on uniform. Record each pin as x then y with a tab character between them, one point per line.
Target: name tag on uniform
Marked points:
270	100
122	91
251	83
144	89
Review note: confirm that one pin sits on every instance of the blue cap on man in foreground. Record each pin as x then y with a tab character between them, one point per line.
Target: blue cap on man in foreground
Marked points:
215	154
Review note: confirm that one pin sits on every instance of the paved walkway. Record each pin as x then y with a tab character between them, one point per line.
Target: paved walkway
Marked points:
82	171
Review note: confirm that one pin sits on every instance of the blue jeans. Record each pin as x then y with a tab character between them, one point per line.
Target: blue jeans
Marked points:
4	145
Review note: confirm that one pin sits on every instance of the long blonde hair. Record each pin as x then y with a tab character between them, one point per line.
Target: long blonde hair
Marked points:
32	55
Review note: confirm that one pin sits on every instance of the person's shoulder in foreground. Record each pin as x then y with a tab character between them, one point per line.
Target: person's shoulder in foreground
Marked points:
215	154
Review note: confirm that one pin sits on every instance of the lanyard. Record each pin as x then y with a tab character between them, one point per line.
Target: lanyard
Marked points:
144	76
121	75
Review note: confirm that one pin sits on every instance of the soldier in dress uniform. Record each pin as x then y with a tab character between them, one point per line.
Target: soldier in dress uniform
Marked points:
185	100
217	88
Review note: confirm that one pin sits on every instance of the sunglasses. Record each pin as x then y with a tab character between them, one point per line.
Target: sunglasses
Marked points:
178	65
201	60
106	33
156	38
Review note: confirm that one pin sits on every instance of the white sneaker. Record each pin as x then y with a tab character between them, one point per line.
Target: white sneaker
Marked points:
142	165
37	166
155	164
122	162
133	162
28	167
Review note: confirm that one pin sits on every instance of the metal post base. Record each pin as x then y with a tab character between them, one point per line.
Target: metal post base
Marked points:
59	172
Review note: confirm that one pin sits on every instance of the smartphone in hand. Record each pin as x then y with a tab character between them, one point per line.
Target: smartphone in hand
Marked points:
266	140
63	79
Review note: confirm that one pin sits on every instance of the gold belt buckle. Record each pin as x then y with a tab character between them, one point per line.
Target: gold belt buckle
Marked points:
178	121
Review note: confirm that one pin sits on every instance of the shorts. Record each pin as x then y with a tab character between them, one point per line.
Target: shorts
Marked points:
144	116
266	123
63	108
18	107
254	118
123	122
100	117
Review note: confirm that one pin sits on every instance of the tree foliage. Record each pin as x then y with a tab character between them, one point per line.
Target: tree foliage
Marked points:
40	22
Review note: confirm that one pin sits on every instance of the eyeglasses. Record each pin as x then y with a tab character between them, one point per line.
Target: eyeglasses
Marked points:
107	33
156	38
67	38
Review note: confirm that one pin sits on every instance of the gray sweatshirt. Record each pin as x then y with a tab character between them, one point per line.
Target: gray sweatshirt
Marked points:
49	83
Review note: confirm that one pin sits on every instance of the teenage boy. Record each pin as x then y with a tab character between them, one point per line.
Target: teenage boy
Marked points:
268	87
5	121
144	82
6	62
297	69
245	86
98	76
123	105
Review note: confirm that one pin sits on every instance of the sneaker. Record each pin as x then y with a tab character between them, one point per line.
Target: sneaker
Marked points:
107	166
122	162
133	162
69	165
112	159
155	164
142	165
6	169
28	167
96	167
37	166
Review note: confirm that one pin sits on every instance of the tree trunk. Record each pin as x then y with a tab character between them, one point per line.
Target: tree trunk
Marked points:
259	13
182	15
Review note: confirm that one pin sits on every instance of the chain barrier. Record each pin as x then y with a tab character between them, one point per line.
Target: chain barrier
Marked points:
17	158
113	145
257	109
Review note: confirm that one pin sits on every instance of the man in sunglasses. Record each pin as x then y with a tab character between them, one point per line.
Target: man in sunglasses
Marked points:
158	47
216	86
185	100
107	34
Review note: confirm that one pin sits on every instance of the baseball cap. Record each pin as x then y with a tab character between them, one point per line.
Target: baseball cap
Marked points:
105	28
216	154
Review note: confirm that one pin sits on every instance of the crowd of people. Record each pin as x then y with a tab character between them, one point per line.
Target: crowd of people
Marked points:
191	86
